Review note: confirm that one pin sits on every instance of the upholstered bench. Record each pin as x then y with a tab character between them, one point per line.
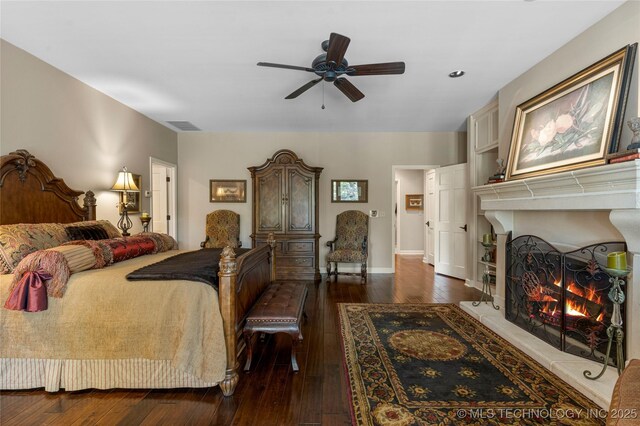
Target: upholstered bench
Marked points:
278	310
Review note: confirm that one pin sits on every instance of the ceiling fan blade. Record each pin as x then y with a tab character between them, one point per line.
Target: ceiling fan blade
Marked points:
377	69
288	67
348	89
304	88
337	47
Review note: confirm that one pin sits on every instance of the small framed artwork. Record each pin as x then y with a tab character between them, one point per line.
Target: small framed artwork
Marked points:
349	191
574	124
227	191
413	201
131	199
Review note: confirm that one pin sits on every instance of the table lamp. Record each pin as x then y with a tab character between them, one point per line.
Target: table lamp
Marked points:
125	184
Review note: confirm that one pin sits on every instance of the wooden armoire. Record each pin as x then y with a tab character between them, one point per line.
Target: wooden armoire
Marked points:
285	202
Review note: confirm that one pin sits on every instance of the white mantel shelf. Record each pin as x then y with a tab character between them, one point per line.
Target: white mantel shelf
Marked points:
607	187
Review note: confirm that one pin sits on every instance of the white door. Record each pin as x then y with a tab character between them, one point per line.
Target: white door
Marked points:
430	210
450	224
163	201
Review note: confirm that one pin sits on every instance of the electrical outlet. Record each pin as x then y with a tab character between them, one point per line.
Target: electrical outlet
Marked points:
373	213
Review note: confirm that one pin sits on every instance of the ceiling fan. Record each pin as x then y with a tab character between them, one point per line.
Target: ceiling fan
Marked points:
333	66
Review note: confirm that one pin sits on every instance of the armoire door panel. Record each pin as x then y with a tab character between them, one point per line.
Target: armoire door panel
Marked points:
300	201
270	203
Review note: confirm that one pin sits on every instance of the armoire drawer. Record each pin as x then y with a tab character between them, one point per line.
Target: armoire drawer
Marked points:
299	247
295	261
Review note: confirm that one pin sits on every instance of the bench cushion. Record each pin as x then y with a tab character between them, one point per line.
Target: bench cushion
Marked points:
279	309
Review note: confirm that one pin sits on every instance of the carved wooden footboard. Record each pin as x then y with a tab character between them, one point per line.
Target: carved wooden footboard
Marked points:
241	281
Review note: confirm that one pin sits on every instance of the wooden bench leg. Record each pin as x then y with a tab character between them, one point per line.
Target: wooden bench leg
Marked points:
248	340
295	339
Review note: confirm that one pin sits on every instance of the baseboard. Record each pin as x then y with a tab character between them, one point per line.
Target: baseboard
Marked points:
356	269
410	252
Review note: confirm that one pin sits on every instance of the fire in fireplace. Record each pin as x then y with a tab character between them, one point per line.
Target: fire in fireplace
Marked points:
562	298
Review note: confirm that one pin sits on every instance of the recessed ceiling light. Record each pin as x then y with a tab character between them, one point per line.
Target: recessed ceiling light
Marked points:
456	74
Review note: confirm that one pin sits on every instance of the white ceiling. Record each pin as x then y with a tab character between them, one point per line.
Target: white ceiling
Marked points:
196	61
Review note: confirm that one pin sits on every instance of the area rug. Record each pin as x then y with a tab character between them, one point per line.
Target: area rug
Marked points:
433	364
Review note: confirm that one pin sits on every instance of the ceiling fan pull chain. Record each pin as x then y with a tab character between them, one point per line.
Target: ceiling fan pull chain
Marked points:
323	94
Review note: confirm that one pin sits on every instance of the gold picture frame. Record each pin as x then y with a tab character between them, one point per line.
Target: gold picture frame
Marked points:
574	124
414	201
227	191
132	198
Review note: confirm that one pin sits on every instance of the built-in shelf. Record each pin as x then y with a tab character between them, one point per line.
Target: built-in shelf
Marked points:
491	264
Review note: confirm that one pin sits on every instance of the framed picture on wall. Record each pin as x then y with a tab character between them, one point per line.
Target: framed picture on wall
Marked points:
227	191
414	202
574	124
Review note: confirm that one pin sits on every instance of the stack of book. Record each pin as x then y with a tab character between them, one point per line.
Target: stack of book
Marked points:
498	177
620	157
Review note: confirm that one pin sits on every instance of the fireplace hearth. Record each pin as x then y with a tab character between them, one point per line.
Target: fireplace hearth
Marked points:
561	297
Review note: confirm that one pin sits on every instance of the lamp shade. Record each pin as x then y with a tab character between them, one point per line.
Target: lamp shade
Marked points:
125	182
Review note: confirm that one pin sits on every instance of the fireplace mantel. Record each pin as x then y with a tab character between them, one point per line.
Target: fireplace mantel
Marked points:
608	187
612	187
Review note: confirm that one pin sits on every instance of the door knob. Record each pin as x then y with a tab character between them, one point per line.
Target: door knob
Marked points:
463	227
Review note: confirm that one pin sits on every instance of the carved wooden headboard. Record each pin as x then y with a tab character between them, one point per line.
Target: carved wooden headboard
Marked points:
30	193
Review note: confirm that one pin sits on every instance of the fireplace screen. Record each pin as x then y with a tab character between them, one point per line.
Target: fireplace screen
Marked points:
562	298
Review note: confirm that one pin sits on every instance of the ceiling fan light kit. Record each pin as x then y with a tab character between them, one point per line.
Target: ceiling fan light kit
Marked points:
333	67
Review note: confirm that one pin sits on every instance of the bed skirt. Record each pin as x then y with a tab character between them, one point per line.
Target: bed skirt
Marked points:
73	375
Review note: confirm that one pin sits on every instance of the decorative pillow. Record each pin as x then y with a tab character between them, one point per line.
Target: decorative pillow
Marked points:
164	242
92	232
79	257
19	240
112	231
128	248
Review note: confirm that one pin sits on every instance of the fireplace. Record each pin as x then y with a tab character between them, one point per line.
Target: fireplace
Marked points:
561	297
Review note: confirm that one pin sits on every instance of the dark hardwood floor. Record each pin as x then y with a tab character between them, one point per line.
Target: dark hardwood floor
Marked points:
270	394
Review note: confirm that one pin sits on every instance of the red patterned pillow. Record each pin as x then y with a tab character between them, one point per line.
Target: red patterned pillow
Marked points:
128	248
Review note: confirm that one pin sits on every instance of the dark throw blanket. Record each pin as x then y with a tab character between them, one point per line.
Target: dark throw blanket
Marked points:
202	266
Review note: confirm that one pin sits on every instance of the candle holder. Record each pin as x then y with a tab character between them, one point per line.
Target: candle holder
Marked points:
486	296
614	331
145	222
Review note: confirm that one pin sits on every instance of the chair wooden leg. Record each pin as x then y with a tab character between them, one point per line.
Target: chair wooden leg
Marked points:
335	274
328	272
363	272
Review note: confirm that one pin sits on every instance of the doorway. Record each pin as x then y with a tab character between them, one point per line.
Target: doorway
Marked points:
163	197
408	223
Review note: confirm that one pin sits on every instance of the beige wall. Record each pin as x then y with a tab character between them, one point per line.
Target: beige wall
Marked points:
83	135
204	156
605	37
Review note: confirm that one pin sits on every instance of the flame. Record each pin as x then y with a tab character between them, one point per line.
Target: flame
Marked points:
575	309
600	317
589	293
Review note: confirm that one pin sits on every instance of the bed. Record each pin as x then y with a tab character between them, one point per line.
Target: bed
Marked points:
107	332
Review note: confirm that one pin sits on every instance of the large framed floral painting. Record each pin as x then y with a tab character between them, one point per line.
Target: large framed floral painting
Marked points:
574	124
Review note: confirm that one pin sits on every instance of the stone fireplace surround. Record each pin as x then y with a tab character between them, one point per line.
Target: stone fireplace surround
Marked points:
616	188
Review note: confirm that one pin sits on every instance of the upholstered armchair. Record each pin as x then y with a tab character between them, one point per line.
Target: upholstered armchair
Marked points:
223	229
350	243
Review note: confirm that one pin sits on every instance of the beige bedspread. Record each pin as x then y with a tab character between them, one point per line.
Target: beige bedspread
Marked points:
104	316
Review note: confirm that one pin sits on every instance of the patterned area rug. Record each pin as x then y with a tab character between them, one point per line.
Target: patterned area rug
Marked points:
433	364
